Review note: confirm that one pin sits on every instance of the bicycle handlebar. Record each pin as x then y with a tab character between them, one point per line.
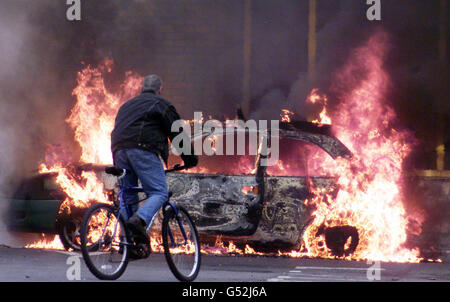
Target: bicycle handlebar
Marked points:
122	172
177	167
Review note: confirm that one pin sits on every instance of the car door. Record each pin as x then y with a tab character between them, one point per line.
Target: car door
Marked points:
222	193
286	187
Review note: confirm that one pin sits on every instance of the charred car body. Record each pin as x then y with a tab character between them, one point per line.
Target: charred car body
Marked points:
238	197
233	196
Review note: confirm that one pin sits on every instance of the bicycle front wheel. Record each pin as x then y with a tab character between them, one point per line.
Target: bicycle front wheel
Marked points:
181	244
104	242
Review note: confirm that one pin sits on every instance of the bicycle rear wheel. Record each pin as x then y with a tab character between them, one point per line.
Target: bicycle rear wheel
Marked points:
181	244
104	243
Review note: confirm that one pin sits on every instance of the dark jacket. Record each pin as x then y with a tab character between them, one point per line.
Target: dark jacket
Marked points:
144	122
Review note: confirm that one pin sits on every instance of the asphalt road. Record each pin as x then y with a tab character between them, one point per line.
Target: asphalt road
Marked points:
44	265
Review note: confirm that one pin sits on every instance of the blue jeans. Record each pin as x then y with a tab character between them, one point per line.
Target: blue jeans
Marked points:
148	168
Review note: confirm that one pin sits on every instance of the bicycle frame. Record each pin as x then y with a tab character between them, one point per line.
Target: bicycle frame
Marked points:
132	189
107	257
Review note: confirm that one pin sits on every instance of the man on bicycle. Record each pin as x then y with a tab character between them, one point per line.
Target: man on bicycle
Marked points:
139	143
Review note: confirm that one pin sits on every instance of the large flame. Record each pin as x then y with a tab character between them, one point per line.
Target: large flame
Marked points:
92	119
369	197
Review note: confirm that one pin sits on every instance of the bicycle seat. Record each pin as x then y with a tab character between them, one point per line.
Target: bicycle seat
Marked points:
114	171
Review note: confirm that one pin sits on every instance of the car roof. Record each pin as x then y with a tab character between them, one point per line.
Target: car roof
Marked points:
319	135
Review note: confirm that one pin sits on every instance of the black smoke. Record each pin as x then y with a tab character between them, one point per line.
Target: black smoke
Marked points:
196	46
418	88
41	52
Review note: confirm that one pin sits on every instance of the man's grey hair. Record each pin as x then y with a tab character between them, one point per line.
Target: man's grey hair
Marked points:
152	82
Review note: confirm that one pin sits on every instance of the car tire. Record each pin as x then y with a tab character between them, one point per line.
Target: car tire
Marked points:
69	233
68	228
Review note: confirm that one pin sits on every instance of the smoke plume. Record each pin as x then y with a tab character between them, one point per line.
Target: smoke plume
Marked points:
197	48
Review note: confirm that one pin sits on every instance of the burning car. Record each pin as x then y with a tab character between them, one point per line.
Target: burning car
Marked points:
233	196
315	190
35	207
237	197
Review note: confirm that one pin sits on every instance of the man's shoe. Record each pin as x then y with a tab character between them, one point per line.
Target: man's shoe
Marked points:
141	250
137	227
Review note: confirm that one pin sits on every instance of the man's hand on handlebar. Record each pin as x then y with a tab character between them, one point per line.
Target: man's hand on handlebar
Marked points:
189	160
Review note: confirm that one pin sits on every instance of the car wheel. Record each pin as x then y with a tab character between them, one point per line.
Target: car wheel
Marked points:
68	225
69	234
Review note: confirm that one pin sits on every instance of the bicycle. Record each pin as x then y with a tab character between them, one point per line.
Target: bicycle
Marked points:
107	245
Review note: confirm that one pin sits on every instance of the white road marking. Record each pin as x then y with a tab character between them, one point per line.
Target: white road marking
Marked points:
306	273
337	268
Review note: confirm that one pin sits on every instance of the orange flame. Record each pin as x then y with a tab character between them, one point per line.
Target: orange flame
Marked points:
46	243
286	115
369	197
314	98
92	119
